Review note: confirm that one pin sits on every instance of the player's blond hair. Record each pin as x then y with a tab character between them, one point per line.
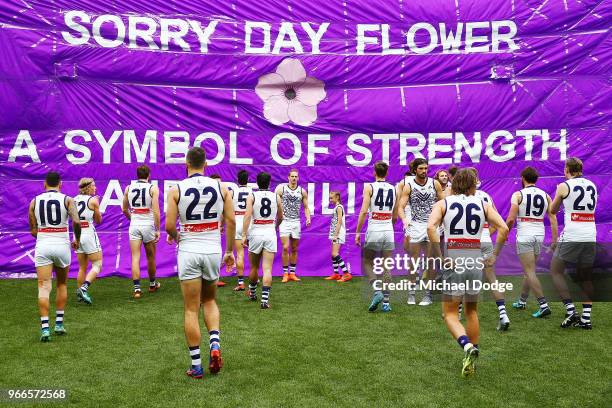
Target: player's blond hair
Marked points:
84	184
336	195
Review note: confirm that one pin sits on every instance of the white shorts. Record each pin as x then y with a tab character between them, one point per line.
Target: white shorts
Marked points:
238	235
90	244
486	249
52	253
529	245
417	233
379	241
198	266
144	233
259	243
291	229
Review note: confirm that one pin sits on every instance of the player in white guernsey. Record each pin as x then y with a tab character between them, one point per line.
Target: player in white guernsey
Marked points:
578	196
239	198
528	208
200	203
293	198
337	236
420	194
380	202
48	215
463	215
89	250
141	207
264	212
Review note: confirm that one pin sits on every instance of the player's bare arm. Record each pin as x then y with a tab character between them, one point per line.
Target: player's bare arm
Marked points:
230	227
155	208
395	210
125	206
172	214
514	209
306	208
246	219
495	220
279	211
492	228
554	225
340	217
403	202
433	223
76	222
32	219
365	205
94	205
439	190
560	194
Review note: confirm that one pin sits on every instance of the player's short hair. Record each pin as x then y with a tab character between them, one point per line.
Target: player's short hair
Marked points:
335	194
463	182
263	180
196	157
475	171
530	174
143	172
84	184
215	176
243	177
410	168
574	165
52	179
381	168
417	162
452	170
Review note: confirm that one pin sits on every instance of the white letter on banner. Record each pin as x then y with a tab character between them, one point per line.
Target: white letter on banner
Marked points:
248	31
561	144
19	150
218	141
113	186
168	184
386	44
297	148
203	36
106	145
167	35
508	37
508	148
176	144
433	148
313	149
415	150
350	205
315	36
105	42
461	143
362	40
471	39
325	210
528	135
77	147
433	38
69	19
385	138
311	196
146	34
367	154
286	30
233	148
148	144
450	42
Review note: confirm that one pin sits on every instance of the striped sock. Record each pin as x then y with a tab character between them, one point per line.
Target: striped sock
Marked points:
292	268
335	264
523	299
569	306
44	322
342	264
241	280
214	339
464	342
542	302
59	317
265	294
152	283
386	295
285	269
586	313
501	307
136	285
252	287
194	352
460	308
85	285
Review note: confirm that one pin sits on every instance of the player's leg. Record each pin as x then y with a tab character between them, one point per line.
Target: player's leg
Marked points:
96	267
450	307
557	271
528	262
267	258
346	274
61	297
584	272
491	277
293	258
429	274
335	252
521	303
192	293
239	264
386	306
83	263
285	240
135	247
212	321
151	250
373	280
414	250
254	260
43	274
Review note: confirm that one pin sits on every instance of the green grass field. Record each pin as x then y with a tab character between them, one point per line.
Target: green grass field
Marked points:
316	347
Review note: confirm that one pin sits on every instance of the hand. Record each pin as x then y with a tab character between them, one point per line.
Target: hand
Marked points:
335	238
553	246
75	244
157	235
245	242
358	239
169	239
229	260
308	221
490	261
406	223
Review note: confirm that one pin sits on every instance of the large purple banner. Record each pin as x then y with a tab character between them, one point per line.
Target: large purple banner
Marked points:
94	89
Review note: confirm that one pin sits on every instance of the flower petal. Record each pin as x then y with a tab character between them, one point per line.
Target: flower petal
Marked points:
276	110
311	92
301	114
292	71
270	85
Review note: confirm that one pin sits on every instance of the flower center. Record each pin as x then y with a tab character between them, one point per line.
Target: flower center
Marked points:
290	93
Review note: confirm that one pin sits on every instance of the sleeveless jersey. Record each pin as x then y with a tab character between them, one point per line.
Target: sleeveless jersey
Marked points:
579	207
407	210
486	198
292	202
422	199
532	210
51	218
381	207
334	222
85	213
239	198
200	210
140	202
463	222
265	207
